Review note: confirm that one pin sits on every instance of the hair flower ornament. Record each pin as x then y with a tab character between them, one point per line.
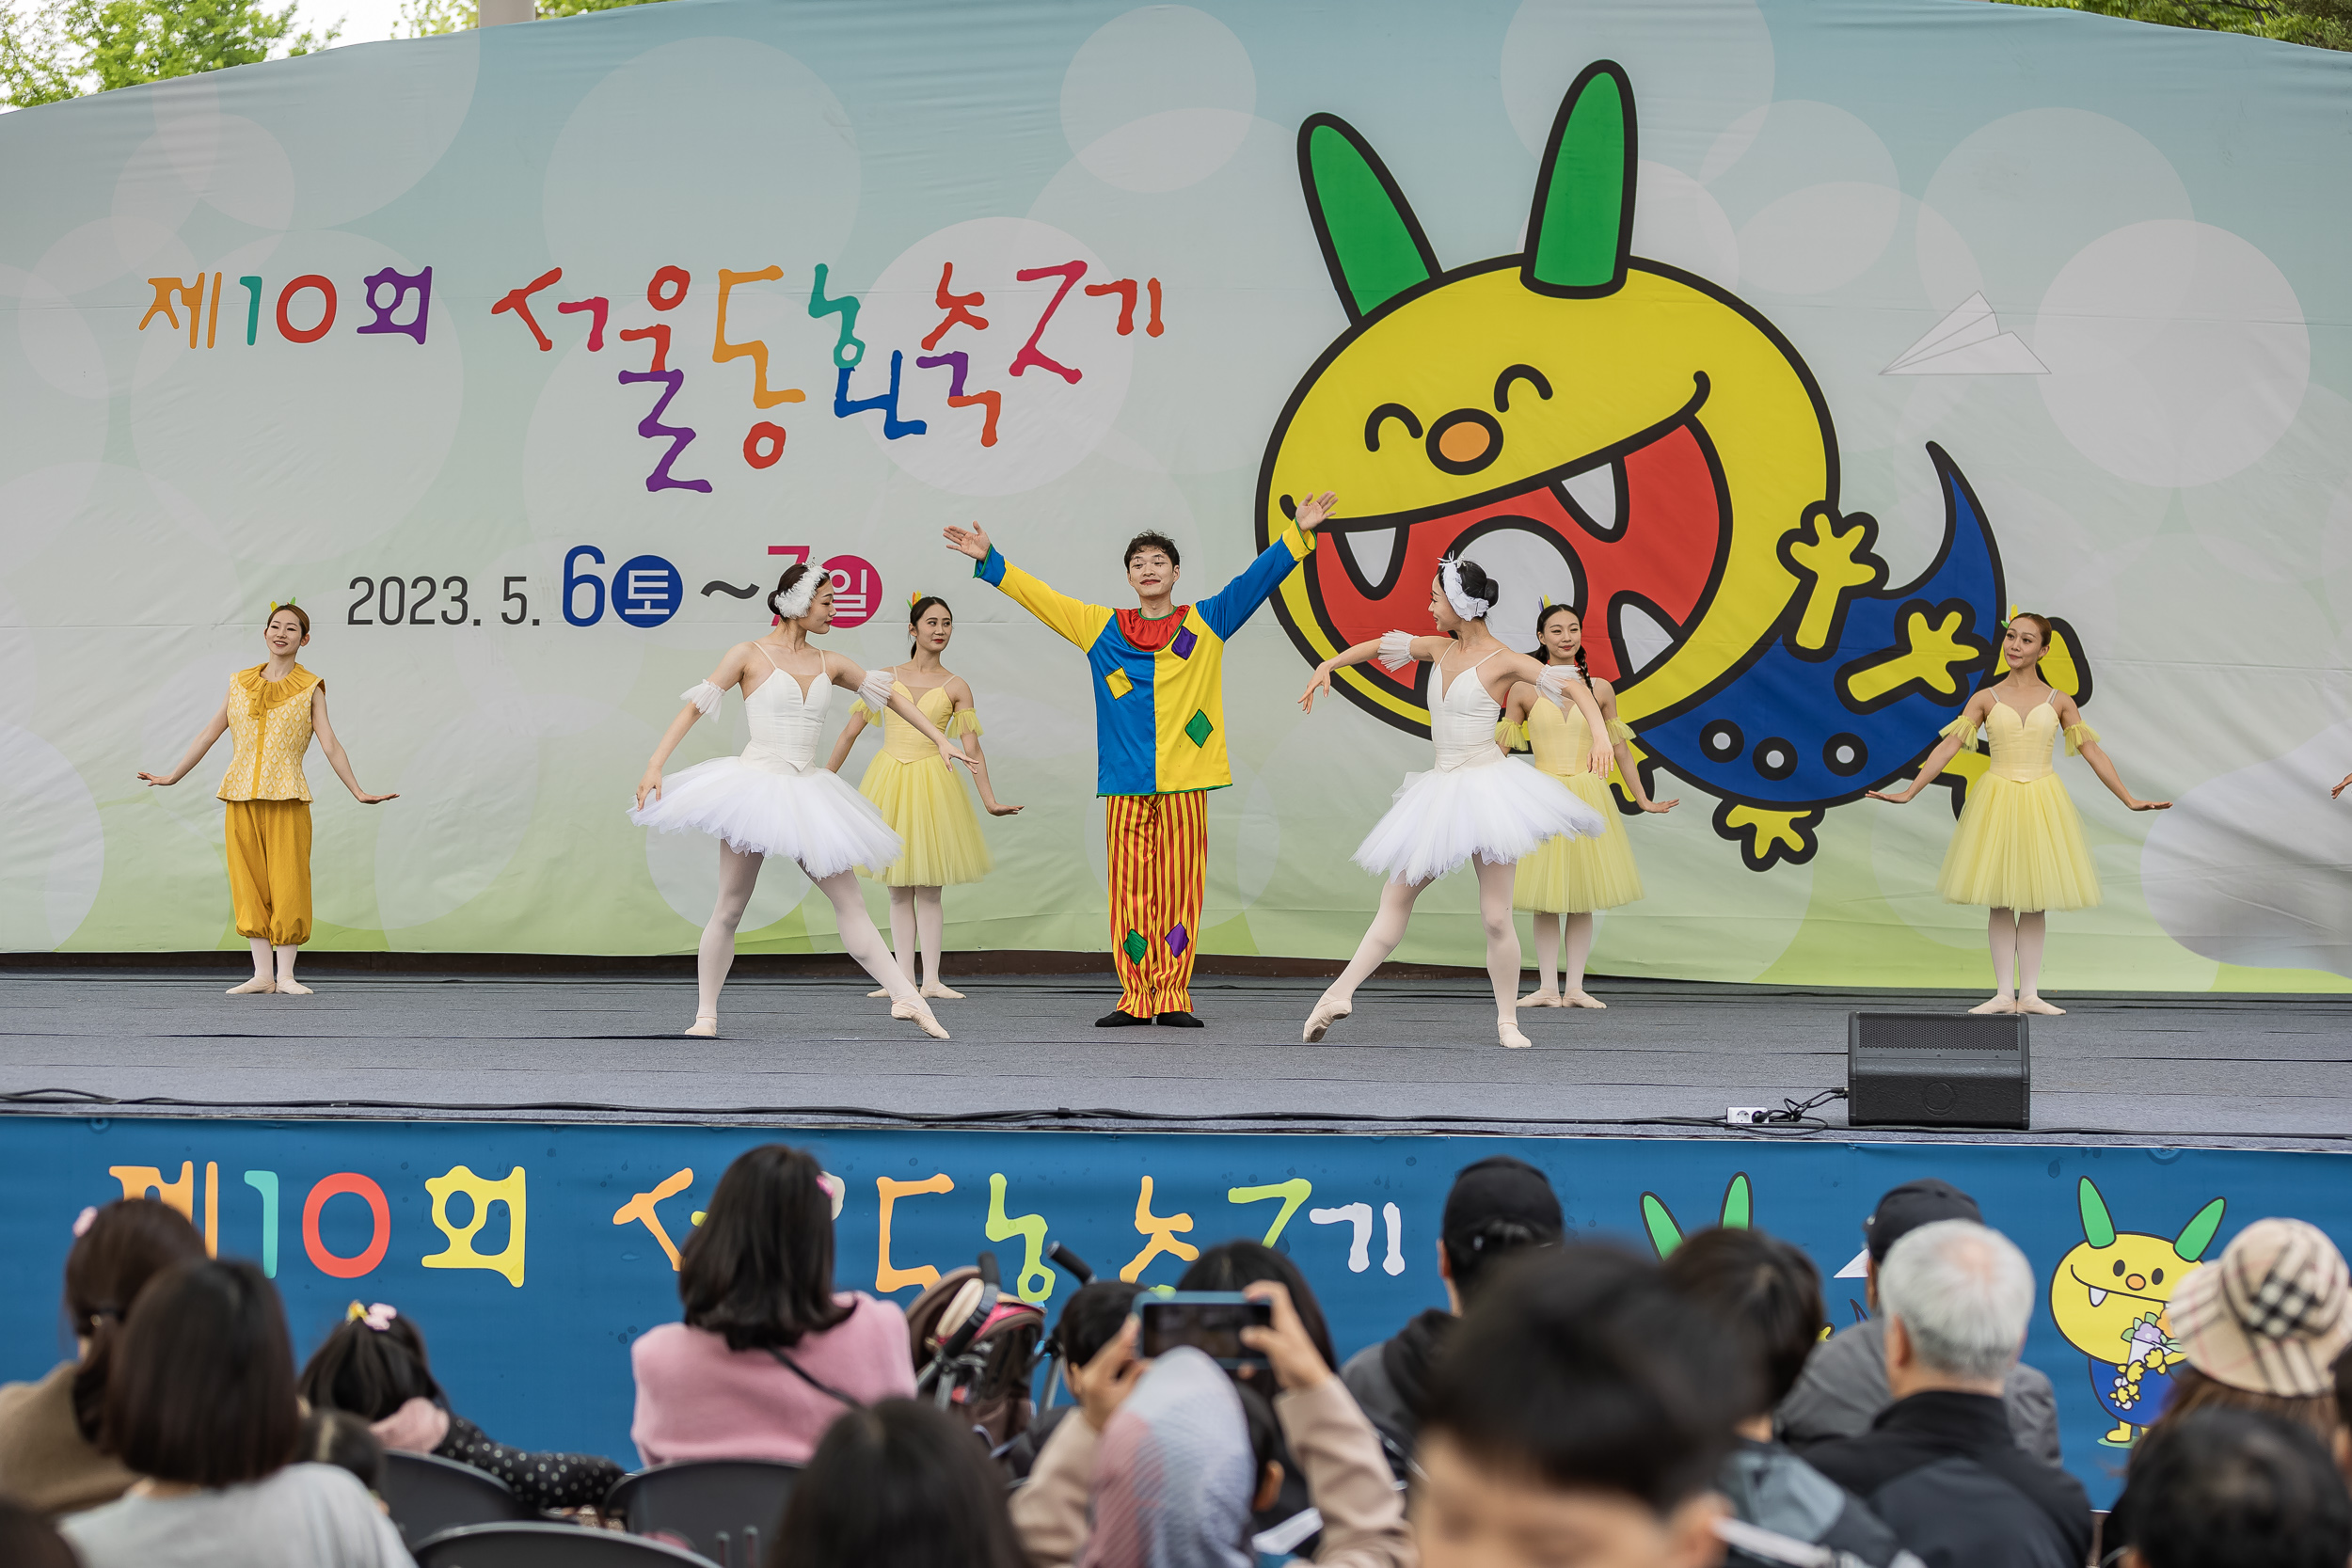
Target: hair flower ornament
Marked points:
82	1221
378	1317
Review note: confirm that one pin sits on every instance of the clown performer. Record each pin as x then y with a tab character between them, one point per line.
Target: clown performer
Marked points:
271	712
919	795
772	799
1565	881
1477	803
1159	710
2019	847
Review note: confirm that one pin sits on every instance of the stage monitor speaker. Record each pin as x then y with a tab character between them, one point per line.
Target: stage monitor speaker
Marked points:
1937	1069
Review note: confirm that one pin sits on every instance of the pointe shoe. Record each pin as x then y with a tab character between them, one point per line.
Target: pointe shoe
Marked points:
1326	1013
2003	1004
937	992
876	995
1512	1038
2030	1003
1583	999
706	1026
917	1011
1540	998
261	985
289	985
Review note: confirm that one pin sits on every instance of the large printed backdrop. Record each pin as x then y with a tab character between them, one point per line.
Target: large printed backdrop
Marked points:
526	358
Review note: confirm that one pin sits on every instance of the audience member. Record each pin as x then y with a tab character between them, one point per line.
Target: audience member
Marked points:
1191	1448
340	1439
200	1404
1581	1414
2263	1327
1237	1265
1093	1314
1770	1294
768	1354
2222	1488
1940	1464
1497	1207
29	1540
1844	1386
374	1365
49	1458
896	1485
2341	1445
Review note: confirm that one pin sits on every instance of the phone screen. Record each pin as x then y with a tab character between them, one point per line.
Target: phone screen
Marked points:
1210	1323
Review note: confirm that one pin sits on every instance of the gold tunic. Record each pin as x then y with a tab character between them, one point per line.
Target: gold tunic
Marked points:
269	723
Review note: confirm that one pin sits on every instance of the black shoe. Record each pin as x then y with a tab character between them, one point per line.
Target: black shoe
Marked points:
1177	1020
1120	1021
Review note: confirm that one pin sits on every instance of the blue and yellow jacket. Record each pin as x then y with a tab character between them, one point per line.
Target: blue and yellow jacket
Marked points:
1159	713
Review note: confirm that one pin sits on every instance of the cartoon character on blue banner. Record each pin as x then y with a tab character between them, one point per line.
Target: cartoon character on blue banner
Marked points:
2109	1296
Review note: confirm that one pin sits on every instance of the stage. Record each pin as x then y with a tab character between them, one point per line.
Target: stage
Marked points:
801	1048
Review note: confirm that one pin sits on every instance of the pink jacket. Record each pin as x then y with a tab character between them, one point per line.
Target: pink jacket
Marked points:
698	1399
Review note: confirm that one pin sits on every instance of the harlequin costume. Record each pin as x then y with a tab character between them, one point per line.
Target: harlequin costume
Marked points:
268	838
1575	876
1159	732
918	794
2019	844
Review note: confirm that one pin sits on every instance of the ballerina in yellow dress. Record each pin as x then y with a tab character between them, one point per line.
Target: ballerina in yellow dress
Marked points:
2019	845
920	797
1565	879
273	711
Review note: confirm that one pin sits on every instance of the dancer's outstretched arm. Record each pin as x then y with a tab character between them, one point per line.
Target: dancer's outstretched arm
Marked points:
960	694
1075	619
1958	733
1555	682
2342	788
1226	609
214	729
849	732
2084	742
700	698
332	750
1606	695
868	687
1387	649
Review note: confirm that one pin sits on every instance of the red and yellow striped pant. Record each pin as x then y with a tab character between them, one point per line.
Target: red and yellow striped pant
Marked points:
1159	852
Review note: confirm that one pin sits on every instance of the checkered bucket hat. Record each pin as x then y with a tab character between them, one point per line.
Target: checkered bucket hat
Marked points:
2271	1314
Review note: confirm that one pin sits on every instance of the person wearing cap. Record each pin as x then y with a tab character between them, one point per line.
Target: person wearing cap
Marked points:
2263	1326
1844	1387
1498	1206
1940	1465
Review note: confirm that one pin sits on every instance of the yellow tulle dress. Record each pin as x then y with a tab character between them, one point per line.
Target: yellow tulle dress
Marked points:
918	794
1567	875
2019	845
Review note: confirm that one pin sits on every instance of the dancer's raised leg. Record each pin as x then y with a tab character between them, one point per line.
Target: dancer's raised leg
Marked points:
863	943
1380	939
1503	947
738	873
2001	932
2031	927
930	930
902	929
1579	951
1547	991
264	978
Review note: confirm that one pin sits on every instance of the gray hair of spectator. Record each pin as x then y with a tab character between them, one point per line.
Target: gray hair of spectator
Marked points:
1964	1294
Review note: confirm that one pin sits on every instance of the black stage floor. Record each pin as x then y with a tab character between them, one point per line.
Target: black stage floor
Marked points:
2266	1071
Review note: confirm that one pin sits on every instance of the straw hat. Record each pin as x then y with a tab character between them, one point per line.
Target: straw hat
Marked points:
2271	1314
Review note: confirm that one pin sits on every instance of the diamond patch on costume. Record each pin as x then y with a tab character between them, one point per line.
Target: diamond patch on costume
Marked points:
1177	941
1134	947
1119	682
1199	728
1185	643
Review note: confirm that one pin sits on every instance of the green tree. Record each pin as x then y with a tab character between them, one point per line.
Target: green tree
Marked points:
423	19
574	7
65	48
2323	23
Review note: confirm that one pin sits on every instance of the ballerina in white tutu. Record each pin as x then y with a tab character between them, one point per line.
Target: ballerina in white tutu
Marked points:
777	799
1478	804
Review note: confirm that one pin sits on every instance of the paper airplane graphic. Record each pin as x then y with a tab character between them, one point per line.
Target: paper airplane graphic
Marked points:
1968	341
1857	1268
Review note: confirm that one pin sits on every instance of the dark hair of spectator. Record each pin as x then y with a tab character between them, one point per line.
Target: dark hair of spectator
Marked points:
29	1540
1765	1289
1091	1319
1241	1262
1265	1434
2192	1391
1581	1369
2222	1488
1151	539
203	1389
917	615
129	1242
1519	1209
370	1373
896	1484
1541	652
340	1439
758	1270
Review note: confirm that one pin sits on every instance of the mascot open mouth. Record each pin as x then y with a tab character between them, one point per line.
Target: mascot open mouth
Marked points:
1637	533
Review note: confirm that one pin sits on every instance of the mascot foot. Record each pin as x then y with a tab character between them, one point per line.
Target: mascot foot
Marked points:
2001	1004
1540	999
706	1026
2032	1004
1584	998
261	985
1329	1011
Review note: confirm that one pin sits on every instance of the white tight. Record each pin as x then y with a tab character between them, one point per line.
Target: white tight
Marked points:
1396	913
738	873
1579	929
915	920
2016	941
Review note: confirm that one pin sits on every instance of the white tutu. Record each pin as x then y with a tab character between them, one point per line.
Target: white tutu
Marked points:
814	817
1498	811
